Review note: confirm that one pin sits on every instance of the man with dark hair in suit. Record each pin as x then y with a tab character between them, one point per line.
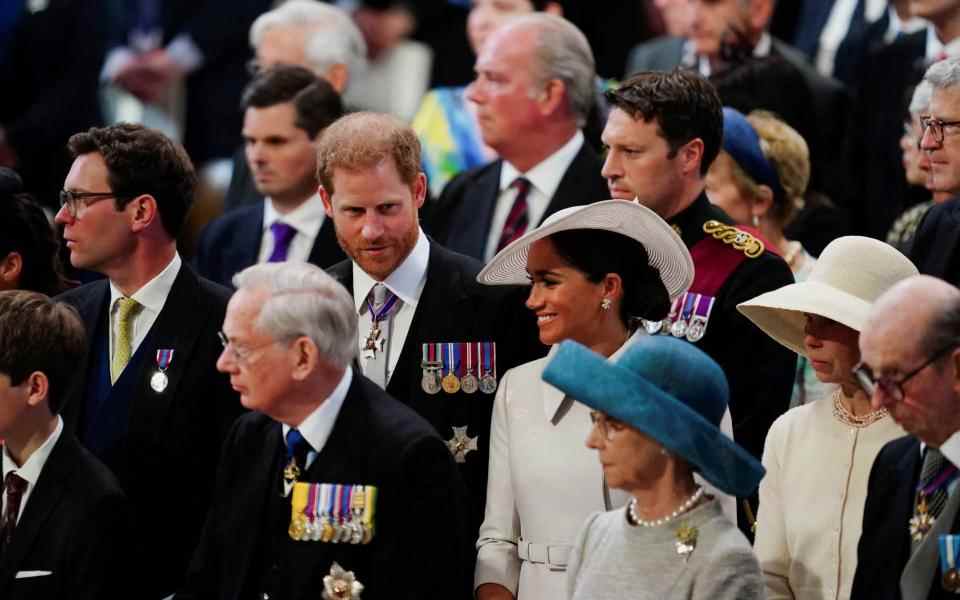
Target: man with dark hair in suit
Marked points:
534	89
423	316
147	399
65	526
910	366
286	108
331	487
664	131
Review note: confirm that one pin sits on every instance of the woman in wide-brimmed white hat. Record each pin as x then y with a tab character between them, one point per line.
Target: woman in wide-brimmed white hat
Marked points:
818	455
594	271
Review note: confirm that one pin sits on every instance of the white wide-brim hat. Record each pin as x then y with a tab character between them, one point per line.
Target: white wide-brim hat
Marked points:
666	251
851	273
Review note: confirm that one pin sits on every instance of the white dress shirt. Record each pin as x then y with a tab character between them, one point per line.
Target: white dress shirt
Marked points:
31	469
406	282
935	47
544	181
151	298
307	219
837	27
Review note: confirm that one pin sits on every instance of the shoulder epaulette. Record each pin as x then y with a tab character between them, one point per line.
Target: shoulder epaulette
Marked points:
738	238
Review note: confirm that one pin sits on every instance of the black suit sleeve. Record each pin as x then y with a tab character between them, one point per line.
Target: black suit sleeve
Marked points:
437	214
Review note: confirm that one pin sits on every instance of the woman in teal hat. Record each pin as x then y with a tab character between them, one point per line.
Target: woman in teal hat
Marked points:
657	411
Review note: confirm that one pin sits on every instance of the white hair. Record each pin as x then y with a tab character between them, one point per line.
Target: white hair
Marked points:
920	101
943	74
333	37
562	52
305	301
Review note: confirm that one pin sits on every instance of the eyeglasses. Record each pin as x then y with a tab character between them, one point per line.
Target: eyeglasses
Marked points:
607	426
74	201
938	128
894	387
241	356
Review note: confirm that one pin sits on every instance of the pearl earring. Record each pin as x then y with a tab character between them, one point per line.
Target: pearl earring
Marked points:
756	221
664	452
605	304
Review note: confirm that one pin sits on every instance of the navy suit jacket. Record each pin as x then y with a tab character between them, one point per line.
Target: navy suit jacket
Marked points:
231	243
936	245
167	455
462	216
77	526
453	307
420	550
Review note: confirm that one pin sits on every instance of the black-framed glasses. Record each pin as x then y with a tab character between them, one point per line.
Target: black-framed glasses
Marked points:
894	387
938	128
74	201
241	356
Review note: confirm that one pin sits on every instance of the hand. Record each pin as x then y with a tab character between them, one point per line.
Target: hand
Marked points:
149	76
493	591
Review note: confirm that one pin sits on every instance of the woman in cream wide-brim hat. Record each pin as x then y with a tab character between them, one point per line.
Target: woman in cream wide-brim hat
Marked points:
818	456
594	270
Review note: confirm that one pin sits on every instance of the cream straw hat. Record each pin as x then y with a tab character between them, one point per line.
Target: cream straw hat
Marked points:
849	276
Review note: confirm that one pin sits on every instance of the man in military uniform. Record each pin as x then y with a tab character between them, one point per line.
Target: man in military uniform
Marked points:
663	132
429	334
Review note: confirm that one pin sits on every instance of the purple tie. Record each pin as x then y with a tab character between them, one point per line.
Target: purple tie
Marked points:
14	486
282	236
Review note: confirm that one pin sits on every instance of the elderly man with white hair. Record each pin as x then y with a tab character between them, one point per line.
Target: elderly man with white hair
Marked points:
304	33
330	487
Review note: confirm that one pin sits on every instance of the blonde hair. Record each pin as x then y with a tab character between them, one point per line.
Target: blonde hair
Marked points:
788	152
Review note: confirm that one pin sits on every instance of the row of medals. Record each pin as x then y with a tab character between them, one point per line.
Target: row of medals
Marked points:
348	529
693	330
433	380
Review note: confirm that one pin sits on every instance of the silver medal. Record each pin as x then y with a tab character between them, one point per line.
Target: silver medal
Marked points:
159	381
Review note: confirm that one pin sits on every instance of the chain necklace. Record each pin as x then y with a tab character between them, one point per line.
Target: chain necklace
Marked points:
847	418
634	518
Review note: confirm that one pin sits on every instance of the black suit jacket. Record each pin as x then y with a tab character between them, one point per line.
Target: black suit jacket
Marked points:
166	459
888	75
453	307
884	547
77	526
418	550
231	243
936	245
462	217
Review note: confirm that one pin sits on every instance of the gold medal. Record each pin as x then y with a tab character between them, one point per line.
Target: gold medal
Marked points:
291	472
686	540
298	504
451	383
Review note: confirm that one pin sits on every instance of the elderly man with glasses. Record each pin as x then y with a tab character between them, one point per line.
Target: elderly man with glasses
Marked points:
910	350
146	398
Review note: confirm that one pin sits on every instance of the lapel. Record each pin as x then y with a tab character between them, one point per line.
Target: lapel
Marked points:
44	498
476	213
326	250
552	397
245	247
177	326
580	183
93	308
435	320
919	572
336	462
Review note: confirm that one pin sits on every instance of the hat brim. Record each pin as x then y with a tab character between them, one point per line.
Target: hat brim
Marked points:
781	313
628	397
666	251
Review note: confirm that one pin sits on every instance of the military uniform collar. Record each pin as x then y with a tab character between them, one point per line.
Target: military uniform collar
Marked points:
688	223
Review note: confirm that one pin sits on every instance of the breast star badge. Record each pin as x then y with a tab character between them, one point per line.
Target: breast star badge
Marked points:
341	585
461	443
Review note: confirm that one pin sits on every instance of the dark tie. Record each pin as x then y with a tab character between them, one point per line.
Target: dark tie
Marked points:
297	449
13	486
934	467
282	236
517	220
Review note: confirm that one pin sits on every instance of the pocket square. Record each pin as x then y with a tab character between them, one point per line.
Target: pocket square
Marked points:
29	574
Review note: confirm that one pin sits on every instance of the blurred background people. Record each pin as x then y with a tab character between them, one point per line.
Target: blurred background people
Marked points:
286	109
656	418
808	553
29	249
594	271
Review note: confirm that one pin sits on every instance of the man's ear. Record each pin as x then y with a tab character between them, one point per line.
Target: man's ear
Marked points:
144	212
304	355
338	76
38	388
552	97
326	199
691	156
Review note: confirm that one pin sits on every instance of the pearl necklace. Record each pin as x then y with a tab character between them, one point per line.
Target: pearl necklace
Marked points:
842	414
687	505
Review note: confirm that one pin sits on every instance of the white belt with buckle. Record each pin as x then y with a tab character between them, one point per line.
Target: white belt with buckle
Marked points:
553	555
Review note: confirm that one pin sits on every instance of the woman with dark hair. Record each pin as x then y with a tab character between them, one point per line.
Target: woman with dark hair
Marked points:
28	243
594	271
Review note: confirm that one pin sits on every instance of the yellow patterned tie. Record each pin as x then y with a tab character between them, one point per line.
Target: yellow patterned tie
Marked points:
123	345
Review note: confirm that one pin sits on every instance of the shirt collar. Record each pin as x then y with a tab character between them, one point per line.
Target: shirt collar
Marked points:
406	281
317	426
153	294
30	471
546	175
935	47
306	218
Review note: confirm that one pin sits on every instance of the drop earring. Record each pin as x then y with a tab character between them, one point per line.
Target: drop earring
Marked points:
756	221
605	304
